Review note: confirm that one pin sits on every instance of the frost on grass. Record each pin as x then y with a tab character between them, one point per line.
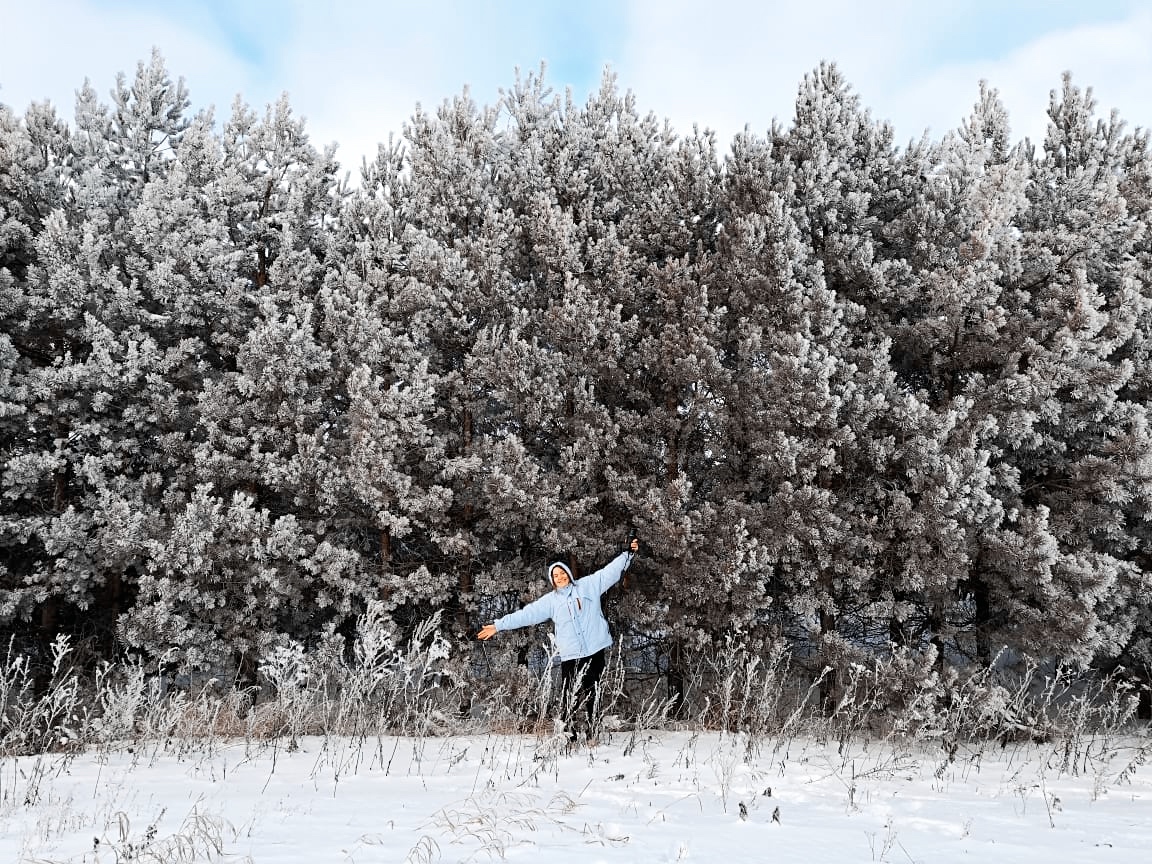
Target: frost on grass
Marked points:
358	754
472	798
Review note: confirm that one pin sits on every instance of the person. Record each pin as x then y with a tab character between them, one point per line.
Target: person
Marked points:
582	637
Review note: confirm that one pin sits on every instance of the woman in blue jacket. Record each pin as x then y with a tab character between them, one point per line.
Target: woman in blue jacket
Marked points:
582	636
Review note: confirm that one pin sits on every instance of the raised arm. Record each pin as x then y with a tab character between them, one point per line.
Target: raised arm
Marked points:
610	574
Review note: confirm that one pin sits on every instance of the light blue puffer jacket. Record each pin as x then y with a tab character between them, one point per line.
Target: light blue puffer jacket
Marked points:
575	610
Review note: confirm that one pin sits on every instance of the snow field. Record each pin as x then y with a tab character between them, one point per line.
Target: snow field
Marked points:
660	798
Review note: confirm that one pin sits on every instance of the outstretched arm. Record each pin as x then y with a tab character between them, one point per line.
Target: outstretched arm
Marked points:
610	574
536	612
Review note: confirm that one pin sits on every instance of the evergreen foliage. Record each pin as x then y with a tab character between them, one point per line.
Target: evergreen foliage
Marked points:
855	395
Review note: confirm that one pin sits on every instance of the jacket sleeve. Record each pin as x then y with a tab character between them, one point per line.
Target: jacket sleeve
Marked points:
610	574
536	612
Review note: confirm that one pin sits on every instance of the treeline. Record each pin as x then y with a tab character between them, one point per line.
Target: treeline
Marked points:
851	393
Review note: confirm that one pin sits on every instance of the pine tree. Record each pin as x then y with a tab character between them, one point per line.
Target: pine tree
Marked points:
382	469
75	301
448	275
948	321
1074	447
245	214
868	489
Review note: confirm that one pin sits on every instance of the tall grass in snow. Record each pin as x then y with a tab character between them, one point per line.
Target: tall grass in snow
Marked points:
360	696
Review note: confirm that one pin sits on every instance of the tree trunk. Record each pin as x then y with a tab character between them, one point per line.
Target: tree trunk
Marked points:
676	675
385	591
896	634
62	475
42	674
464	582
936	624
672	453
830	684
983	616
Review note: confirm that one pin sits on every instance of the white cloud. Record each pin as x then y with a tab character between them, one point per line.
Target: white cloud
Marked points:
357	70
354	71
52	47
1115	60
742	62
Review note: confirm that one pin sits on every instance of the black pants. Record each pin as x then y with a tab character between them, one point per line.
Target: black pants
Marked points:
580	679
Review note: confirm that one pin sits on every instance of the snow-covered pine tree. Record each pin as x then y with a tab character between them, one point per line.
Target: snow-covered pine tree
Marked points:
864	493
446	263
84	316
389	477
829	172
240	565
983	322
147	121
947	320
1075	447
36	152
635	327
1135	600
804	446
612	300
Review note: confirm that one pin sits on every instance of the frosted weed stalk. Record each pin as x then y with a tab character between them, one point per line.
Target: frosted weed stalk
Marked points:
48	722
383	686
200	838
494	822
362	697
354	699
378	688
1073	723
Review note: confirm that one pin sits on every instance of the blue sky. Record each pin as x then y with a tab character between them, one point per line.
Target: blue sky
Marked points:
356	70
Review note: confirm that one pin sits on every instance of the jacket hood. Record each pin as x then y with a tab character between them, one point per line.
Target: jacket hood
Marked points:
564	567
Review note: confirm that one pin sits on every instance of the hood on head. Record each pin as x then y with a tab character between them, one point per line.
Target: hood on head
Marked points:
562	565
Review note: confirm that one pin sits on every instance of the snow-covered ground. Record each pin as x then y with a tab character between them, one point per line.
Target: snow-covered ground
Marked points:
660	797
